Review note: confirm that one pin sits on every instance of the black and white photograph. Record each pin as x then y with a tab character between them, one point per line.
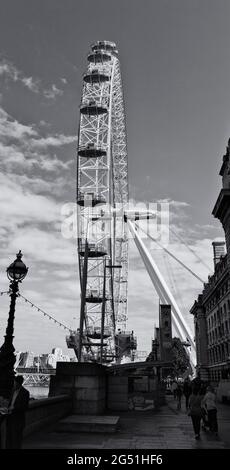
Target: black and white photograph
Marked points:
115	231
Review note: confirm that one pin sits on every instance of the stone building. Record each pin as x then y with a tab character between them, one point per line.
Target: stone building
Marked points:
222	207
212	325
212	308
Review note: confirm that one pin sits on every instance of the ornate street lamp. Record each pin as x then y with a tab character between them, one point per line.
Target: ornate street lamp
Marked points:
16	272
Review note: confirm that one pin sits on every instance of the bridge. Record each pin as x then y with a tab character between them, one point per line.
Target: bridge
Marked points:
36	377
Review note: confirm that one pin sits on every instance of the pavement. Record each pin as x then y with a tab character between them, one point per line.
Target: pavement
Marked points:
166	428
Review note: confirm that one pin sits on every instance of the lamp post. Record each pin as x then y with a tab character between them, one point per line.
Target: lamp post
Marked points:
16	272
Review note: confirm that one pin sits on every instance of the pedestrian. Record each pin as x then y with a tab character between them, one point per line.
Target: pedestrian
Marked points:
174	389
195	410
17	407
3	415
202	391
179	393
187	390
209	403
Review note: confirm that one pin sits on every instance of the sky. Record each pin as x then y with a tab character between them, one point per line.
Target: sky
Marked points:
175	63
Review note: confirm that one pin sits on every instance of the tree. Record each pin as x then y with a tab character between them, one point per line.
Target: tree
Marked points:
180	357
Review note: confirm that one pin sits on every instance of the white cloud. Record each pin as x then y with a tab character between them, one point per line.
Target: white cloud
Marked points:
11	128
53	92
35	184
19	206
45	246
53	141
22	148
11	72
31	222
30	83
175	204
13	159
10	153
52	164
64	80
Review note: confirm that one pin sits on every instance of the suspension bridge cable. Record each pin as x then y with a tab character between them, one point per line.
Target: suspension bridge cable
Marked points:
171	254
45	313
190	249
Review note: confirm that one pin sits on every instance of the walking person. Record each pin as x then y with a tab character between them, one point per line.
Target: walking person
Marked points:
187	390
17	407
209	403
3	416
195	410
202	391
179	394
174	389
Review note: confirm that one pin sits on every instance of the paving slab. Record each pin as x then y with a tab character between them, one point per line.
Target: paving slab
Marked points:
88	423
166	428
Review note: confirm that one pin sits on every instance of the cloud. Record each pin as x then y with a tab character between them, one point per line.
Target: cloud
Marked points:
53	92
22	147
175	204
14	159
64	80
51	164
11	128
30	83
11	154
44	123
11	72
43	246
38	185
31	222
53	141
19	206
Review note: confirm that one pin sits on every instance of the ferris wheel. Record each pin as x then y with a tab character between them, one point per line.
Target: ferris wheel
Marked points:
102	194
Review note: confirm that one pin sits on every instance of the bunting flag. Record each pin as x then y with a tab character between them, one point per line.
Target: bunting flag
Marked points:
45	314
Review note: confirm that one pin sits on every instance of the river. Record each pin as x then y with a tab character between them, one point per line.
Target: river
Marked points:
38	392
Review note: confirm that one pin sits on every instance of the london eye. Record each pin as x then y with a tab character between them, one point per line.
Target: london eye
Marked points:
103	219
102	193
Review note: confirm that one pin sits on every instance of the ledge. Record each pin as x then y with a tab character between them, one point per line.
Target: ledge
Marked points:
38	403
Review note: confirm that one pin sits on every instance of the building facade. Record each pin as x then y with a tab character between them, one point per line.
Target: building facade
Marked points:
42	361
222	207
212	325
211	310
